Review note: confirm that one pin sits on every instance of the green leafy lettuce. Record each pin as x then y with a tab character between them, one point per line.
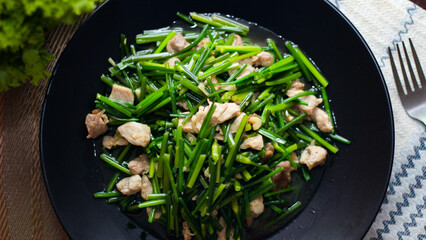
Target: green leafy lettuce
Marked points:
23	26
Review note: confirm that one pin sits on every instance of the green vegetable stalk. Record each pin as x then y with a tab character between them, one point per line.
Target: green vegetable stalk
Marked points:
23	29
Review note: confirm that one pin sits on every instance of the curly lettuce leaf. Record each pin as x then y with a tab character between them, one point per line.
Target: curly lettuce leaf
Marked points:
23	26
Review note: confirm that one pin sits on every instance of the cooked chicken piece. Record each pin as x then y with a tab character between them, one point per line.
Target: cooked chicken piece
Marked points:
283	178
269	150
136	133
187	127
146	187
293	156
122	93
295	88
222	234
230	110
157	213
312	102
219	136
255	143
322	119
236	123
177	43
139	165
186	231
237	41
172	61
183	105
313	156
263	59
111	141
130	185
198	118
255	121
249	69
256	206
202	43
96	123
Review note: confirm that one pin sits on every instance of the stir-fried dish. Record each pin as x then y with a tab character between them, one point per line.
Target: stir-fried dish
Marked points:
204	129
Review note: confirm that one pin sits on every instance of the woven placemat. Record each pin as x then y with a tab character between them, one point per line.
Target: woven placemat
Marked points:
25	208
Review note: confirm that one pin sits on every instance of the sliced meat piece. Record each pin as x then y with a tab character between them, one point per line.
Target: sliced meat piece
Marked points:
177	43
293	156
269	150
295	88
136	133
172	61
111	141
255	121
264	59
232	110
146	187
313	156
219	136
322	119
157	214
255	143
186	231
283	178
198	118
202	43
256	206
139	165
122	93
312	102
130	185
238	41
222	234
187	127
249	69
183	105
96	123
236	123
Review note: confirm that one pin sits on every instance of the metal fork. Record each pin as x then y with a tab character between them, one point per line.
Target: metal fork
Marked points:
414	101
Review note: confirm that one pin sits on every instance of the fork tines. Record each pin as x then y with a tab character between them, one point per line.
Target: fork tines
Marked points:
410	68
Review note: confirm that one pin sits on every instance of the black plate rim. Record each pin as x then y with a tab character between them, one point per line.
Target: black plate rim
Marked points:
354	29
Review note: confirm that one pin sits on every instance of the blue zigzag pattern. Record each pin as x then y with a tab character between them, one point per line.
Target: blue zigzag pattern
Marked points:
399	38
411	194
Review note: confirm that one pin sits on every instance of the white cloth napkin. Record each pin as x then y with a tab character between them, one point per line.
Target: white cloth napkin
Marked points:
385	23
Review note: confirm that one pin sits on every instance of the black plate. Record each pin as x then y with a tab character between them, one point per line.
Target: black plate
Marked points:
354	181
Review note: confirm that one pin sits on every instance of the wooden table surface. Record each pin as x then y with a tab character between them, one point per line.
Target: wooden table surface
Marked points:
25	209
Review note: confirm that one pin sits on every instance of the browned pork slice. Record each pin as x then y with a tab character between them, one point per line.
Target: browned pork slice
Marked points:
183	105
157	213
96	123
202	43
221	235
172	61
187	127
122	93
230	110
313	156
136	133
186	231
249	69
177	43
283	178
296	87
146	188
322	119
255	143
130	185
238	41
112	141
269	150
312	102
139	165
236	123
263	59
